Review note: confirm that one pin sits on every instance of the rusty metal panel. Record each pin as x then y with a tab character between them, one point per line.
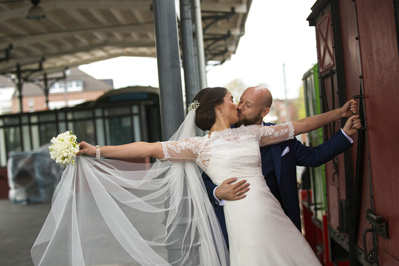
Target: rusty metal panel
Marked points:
335	172
367	34
380	67
352	68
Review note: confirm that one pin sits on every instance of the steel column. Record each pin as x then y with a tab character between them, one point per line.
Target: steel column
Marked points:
167	44
191	73
46	90
200	44
19	88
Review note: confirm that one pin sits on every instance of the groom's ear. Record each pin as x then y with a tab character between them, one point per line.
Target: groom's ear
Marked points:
265	111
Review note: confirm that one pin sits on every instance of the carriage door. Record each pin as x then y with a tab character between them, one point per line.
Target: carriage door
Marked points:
332	94
358	55
378	35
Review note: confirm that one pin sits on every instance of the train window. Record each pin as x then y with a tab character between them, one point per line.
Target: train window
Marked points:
100	132
108	138
117	111
62	127
61	116
26	138
82	114
121	132
25	119
47	117
98	112
84	130
137	128
47	131
70	127
12	139
33	119
9	121
35	136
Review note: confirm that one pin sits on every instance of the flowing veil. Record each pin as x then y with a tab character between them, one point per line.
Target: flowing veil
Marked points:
112	212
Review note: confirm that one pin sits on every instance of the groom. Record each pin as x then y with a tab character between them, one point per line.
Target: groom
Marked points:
279	161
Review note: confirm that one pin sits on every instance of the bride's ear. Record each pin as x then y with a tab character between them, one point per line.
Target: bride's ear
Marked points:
218	109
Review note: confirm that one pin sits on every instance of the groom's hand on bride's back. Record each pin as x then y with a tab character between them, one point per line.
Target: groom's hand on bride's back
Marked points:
232	190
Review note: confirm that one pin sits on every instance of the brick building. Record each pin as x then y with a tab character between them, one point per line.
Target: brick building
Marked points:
76	88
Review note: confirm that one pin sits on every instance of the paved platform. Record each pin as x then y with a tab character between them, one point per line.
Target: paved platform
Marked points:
19	227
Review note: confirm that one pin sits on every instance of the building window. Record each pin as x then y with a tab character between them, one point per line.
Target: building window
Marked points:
57	87
72	86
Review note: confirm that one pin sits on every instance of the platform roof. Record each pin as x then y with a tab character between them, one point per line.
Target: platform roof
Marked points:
76	32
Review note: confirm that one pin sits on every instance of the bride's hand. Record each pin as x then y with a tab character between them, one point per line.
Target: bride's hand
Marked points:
86	148
349	108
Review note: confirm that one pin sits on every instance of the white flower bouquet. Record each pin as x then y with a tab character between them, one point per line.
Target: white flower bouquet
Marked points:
64	148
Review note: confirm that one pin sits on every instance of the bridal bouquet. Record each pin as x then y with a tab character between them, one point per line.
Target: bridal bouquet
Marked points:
64	148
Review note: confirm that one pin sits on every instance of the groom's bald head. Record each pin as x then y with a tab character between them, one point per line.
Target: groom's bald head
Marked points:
262	94
255	103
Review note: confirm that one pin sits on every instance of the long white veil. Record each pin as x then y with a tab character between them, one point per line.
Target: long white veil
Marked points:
111	212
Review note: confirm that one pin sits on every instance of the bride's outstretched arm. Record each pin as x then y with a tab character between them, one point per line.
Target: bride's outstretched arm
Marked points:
308	124
131	150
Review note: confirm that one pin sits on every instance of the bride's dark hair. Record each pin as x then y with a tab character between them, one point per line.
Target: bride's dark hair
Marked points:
208	98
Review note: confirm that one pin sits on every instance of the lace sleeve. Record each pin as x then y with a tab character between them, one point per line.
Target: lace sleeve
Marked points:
270	135
183	150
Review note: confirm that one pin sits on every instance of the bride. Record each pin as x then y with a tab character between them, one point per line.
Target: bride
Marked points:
112	212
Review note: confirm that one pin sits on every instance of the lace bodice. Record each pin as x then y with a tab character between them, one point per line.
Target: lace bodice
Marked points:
229	153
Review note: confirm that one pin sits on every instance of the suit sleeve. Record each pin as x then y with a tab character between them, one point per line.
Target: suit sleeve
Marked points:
218	209
323	153
210	186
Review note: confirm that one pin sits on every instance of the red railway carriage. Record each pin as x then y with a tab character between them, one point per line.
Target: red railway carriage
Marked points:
358	55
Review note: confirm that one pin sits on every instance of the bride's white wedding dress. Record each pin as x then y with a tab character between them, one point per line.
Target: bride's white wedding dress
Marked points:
259	231
111	212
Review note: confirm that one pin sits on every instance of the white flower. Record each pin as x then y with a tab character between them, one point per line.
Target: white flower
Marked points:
64	148
194	105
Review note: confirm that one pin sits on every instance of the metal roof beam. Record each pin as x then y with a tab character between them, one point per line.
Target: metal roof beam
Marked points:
77	4
123	5
223	31
24	59
219	7
24	40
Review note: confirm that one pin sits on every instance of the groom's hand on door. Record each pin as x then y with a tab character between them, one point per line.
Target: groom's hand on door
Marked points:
232	190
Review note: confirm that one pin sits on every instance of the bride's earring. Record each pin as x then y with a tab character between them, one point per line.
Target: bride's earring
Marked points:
221	113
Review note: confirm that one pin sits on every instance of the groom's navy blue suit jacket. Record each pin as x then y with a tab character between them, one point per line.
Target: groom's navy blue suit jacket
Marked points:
279	163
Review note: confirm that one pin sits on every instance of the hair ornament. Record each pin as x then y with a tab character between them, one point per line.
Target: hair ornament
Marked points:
194	105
